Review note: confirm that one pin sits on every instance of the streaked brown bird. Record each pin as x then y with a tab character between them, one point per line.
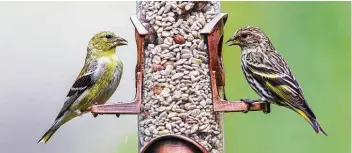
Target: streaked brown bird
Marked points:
269	75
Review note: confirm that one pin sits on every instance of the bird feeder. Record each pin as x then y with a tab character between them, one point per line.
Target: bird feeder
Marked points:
178	112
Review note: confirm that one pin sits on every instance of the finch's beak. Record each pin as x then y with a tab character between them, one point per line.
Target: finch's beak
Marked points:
120	41
233	41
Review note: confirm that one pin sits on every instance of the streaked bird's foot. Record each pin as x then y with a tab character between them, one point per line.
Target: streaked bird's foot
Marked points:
249	103
94	115
117	115
267	109
225	98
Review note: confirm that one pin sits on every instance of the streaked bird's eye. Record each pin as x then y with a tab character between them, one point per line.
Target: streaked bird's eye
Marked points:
108	36
244	35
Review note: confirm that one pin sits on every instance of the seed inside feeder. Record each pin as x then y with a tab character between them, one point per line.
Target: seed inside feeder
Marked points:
176	85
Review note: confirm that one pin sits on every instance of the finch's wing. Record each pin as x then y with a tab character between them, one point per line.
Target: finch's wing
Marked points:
85	79
273	73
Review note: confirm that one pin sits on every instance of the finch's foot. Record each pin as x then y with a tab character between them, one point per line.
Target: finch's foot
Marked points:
94	114
267	109
225	98
249	103
117	115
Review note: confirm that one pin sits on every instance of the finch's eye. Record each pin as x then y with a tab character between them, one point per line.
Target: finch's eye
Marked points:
244	35
108	36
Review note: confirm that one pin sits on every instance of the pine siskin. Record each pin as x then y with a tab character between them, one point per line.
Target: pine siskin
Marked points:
268	74
97	81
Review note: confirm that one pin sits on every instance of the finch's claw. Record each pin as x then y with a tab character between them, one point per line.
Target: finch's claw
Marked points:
267	109
248	100
248	108
95	115
117	115
249	103
225	98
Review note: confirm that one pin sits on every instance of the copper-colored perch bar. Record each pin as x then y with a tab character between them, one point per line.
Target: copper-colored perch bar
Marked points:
232	106
131	107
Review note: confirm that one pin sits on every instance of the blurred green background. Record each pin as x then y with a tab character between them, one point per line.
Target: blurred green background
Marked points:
314	38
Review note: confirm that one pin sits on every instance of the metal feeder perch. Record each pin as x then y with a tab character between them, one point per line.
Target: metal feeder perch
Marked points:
213	37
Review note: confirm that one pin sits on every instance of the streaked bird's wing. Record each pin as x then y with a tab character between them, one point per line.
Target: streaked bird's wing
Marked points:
85	79
274	74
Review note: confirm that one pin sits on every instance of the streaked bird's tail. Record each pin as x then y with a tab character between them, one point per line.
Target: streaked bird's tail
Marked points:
316	126
45	138
312	121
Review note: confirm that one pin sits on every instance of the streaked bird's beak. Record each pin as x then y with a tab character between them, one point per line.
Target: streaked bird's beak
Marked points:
233	41
120	41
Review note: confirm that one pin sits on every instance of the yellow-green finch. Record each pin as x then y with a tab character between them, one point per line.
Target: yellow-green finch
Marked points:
98	80
268	74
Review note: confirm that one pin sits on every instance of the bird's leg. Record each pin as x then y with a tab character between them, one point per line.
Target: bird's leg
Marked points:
267	108
225	98
94	115
249	103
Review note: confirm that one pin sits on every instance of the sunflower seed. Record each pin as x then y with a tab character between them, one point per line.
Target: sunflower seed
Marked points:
183	105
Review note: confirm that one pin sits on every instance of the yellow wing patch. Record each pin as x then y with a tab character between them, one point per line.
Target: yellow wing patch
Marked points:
279	90
304	115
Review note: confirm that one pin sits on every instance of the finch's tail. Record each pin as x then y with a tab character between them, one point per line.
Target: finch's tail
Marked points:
315	125
313	122
57	124
45	138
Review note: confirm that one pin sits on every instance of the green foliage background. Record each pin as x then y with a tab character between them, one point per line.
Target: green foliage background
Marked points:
315	39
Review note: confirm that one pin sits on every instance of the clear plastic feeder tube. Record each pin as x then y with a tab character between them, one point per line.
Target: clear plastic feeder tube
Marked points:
177	96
